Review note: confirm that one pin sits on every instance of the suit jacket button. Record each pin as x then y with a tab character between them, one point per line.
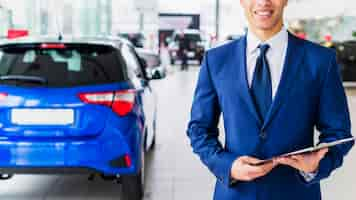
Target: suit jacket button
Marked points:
263	135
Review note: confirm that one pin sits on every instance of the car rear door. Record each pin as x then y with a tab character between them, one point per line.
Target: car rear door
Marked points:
138	77
57	90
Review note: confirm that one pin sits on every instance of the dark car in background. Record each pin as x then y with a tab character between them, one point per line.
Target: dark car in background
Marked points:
196	45
154	66
137	39
233	37
75	105
151	60
346	56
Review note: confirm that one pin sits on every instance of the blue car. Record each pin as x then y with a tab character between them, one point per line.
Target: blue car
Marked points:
75	105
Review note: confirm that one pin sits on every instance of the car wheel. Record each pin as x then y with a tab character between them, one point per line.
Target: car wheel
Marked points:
6	176
172	61
133	185
200	59
153	144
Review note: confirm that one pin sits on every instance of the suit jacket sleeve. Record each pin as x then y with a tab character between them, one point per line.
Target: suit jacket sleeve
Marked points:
202	129
333	121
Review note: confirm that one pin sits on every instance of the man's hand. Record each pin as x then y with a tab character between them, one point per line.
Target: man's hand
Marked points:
307	163
243	169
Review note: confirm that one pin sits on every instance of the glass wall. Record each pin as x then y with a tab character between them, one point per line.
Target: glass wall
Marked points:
338	28
92	18
128	19
89	17
5	21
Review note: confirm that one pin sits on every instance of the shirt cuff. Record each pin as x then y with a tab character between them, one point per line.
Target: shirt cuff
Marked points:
232	181
308	176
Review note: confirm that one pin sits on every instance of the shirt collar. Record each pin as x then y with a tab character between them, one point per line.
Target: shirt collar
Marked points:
278	41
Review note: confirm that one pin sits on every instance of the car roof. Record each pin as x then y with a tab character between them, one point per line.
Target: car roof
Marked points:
146	51
115	42
188	31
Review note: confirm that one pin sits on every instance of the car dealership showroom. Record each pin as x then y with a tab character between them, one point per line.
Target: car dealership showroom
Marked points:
177	100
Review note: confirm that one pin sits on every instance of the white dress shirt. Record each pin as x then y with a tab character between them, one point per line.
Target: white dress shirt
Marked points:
276	55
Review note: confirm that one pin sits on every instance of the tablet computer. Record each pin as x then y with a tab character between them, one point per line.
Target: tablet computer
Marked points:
309	149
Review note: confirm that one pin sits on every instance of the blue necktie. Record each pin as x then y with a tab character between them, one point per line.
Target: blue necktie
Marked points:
261	88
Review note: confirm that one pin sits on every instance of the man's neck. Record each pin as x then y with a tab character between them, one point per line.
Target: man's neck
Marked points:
265	35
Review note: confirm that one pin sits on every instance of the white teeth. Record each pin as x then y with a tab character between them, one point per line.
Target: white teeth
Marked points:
264	13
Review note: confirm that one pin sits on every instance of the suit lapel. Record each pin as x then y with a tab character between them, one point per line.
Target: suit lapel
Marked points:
294	56
242	78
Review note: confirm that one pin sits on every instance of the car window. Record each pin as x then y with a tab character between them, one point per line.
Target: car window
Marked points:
189	36
151	59
193	37
74	65
133	65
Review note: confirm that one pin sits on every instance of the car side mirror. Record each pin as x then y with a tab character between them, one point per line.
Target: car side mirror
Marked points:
152	73
157	74
138	44
143	63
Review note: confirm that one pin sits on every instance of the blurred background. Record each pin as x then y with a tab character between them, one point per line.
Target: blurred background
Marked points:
154	28
316	20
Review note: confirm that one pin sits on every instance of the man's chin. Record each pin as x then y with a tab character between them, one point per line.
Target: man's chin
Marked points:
266	27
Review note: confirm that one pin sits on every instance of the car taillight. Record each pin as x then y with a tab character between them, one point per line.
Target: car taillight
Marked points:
3	96
52	46
16	33
127	160
121	102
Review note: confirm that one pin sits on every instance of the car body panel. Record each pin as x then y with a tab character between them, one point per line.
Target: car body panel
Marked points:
196	48
97	137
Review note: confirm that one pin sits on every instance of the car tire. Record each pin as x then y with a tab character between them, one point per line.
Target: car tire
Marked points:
153	144
6	176
149	147
133	185
172	61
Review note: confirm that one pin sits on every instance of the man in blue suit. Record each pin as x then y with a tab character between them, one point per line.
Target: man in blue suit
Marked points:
272	90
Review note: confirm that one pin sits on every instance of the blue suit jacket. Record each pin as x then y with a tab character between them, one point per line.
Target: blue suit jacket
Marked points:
310	94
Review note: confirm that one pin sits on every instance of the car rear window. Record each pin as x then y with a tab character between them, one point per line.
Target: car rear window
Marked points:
151	60
190	37
60	65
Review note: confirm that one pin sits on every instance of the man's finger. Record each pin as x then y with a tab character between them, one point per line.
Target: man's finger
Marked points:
321	153
254	175
298	157
269	166
254	169
250	160
263	169
288	161
253	172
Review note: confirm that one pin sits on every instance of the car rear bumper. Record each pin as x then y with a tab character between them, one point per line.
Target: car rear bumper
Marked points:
103	154
191	55
48	170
